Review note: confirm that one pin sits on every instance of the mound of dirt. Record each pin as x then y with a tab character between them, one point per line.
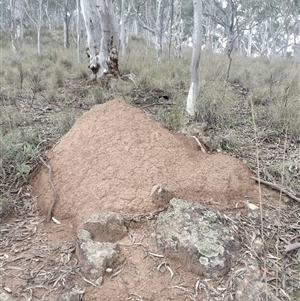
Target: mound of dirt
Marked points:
114	154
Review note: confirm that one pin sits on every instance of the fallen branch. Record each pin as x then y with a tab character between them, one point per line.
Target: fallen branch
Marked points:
157	104
202	148
278	188
49	215
292	247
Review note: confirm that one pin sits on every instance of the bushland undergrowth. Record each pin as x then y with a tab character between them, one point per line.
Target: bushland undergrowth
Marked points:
41	97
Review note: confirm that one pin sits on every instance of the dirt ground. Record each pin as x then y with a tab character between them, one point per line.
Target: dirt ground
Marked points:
110	160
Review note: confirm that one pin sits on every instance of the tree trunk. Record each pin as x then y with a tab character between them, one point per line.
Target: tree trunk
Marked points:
78	30
194	69
110	37
13	26
39	27
297	44
102	36
249	46
48	16
122	29
20	13
171	29
66	24
159	32
177	29
208	32
264	45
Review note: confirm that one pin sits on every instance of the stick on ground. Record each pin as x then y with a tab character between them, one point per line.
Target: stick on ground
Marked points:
49	215
278	188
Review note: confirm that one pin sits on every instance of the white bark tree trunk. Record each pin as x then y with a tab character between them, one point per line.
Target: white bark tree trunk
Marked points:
102	36
78	29
122	29
178	29
197	42
36	18
171	29
158	36
297	45
249	46
208	32
20	15
67	17
13	27
39	27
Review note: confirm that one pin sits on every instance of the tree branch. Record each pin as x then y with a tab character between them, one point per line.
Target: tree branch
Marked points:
141	22
278	188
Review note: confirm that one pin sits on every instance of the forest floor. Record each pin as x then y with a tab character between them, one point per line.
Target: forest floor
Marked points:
38	260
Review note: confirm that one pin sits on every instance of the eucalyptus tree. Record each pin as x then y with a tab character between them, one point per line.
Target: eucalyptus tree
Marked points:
154	17
13	27
34	11
177	29
78	29
67	11
225	14
16	25
102	36
5	20
271	25
195	62
122	28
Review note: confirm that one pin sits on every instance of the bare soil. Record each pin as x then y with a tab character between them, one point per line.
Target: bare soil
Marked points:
115	154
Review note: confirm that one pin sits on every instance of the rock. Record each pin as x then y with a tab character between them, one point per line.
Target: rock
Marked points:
258	246
71	294
106	226
198	236
251	287
94	257
5	295
161	195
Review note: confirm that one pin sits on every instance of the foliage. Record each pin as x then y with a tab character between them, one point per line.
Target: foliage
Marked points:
216	104
64	120
18	148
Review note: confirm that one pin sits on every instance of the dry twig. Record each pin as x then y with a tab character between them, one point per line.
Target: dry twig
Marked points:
49	215
278	188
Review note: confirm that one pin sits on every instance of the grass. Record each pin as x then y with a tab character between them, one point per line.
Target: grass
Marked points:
19	150
64	120
40	81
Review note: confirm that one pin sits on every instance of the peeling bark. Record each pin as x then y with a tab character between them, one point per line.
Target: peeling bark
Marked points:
102	36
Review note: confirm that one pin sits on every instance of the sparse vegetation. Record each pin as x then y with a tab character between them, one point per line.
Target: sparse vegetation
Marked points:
52	90
41	98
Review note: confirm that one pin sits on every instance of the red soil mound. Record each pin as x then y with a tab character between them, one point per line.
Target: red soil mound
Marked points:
115	153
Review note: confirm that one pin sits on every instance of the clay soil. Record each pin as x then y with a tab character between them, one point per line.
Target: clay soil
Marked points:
115	154
110	160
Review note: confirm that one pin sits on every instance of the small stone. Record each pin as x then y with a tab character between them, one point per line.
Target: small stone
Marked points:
252	206
70	295
7	289
5	295
258	246
106	226
95	257
161	195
